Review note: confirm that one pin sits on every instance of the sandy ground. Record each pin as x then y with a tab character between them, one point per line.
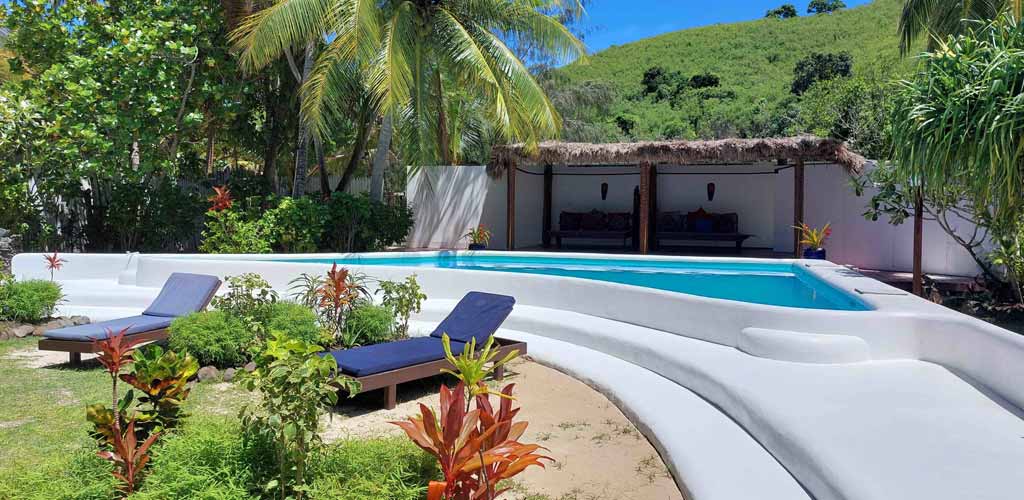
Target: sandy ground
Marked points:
598	453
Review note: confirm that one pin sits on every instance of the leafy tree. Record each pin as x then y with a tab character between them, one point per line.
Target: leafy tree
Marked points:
825	6
784	11
704	80
585	107
955	126
856	110
818	67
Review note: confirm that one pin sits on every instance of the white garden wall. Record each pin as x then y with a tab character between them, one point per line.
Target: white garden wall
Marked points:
459	197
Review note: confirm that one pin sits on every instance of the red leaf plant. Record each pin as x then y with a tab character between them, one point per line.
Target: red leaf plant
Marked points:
128	456
53	263
116	352
221	199
338	292
476	449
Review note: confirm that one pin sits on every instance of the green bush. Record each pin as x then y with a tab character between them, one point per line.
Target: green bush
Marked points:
29	301
294	321
355	223
233	231
368	324
213	338
297	224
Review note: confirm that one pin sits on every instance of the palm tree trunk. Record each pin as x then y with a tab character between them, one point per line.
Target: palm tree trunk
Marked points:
443	145
302	149
380	160
362	136
325	183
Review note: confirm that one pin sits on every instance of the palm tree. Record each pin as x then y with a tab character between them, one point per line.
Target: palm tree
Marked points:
941	18
409	51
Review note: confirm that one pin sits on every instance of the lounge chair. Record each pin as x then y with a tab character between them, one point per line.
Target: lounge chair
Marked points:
383	366
182	294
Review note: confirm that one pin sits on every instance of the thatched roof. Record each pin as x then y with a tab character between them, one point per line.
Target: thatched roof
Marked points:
724	151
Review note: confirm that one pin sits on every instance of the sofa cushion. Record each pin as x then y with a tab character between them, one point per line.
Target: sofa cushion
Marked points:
183	293
377	358
671	222
594	221
699	221
103	329
478	315
727	223
569	221
620	221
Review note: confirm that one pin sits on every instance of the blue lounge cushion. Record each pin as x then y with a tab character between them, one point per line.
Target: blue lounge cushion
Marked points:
100	331
183	293
478	315
377	358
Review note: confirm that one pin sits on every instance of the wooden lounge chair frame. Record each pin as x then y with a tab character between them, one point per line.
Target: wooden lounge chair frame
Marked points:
75	348
390	379
737	238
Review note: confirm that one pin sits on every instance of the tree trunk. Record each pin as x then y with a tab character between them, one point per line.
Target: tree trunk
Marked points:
211	134
443	142
358	148
380	160
918	281
302	148
325	182
272	137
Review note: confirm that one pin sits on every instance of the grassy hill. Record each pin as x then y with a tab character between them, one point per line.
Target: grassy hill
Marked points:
754	59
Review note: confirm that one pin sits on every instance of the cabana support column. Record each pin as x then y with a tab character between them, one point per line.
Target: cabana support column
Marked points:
798	204
644	234
546	218
510	233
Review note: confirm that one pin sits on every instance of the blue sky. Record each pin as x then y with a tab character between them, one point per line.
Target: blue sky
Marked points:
616	22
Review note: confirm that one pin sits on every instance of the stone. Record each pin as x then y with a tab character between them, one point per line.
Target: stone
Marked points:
22	331
208	374
10	245
250	366
80	320
229	375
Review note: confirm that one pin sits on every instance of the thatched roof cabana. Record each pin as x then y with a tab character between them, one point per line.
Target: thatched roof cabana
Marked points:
721	152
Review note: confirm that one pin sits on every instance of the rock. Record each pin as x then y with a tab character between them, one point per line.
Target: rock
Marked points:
10	245
208	374
22	331
229	375
80	320
63	322
250	366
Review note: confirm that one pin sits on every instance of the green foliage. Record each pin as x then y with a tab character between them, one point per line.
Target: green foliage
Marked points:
297	225
784	11
1008	254
819	67
381	469
824	6
471	368
368	324
857	110
754	60
355	223
249	299
213	337
80	475
29	301
296	385
232	231
403	298
294	321
162	381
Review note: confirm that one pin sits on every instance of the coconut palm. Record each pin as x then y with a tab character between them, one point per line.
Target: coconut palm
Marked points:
410	54
941	18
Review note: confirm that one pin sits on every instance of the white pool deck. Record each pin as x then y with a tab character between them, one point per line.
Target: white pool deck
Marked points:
907	401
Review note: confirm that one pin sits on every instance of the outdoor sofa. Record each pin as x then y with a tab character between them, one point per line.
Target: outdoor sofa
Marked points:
182	293
383	366
593	225
699	226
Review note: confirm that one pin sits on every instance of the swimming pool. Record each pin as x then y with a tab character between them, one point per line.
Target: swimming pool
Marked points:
778	284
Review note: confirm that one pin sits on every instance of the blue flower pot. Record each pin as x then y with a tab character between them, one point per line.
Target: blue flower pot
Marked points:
814	253
477	246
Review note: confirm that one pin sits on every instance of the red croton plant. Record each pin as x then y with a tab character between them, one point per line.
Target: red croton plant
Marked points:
221	199
54	263
126	453
476	448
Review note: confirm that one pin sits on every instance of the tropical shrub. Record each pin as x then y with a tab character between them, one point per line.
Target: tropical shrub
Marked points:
296	385
294	321
29	301
403	298
230	231
332	296
161	379
249	299
368	324
213	337
297	225
355	223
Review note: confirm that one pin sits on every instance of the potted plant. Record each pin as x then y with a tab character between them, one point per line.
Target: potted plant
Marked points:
814	240
479	237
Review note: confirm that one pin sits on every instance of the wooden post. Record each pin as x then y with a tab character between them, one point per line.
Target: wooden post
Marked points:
391	396
918	283
798	203
546	219
653	230
510	176
645	207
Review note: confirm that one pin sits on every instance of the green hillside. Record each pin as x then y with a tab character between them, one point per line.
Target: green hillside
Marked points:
754	60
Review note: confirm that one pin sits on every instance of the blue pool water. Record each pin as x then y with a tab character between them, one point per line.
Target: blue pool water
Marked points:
778	284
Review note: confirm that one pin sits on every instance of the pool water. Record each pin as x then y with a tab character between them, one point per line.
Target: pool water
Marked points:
777	284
